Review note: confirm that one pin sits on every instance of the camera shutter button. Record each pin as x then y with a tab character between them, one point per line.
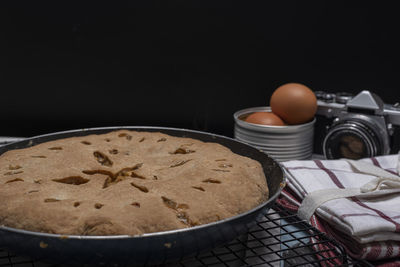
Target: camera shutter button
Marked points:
343	98
329	97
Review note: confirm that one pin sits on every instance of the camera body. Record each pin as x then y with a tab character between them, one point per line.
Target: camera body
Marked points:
355	127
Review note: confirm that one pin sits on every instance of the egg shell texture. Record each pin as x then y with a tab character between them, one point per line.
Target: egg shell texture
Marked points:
294	103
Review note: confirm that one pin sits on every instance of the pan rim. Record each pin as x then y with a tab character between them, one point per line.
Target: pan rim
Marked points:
145	235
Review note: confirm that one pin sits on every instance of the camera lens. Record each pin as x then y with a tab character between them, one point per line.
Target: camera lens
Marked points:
353	140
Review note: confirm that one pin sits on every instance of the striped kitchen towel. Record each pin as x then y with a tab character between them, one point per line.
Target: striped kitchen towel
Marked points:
368	227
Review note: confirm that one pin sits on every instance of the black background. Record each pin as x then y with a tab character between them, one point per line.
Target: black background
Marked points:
184	64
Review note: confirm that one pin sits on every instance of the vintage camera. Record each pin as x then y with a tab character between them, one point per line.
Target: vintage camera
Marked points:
355	127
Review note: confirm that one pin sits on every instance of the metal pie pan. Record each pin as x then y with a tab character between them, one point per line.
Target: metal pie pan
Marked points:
146	249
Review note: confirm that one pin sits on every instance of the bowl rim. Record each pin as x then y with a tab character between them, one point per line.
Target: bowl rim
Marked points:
269	128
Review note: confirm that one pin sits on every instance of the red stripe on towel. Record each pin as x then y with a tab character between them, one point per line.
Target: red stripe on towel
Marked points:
330	173
337	182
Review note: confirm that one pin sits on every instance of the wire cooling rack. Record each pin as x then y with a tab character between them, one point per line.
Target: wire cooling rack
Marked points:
279	239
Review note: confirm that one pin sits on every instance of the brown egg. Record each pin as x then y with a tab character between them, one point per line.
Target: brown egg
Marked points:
294	103
265	118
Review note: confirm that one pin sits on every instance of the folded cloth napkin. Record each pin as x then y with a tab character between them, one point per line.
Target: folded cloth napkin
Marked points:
356	202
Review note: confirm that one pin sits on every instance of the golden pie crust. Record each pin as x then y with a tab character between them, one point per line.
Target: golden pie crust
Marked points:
125	183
